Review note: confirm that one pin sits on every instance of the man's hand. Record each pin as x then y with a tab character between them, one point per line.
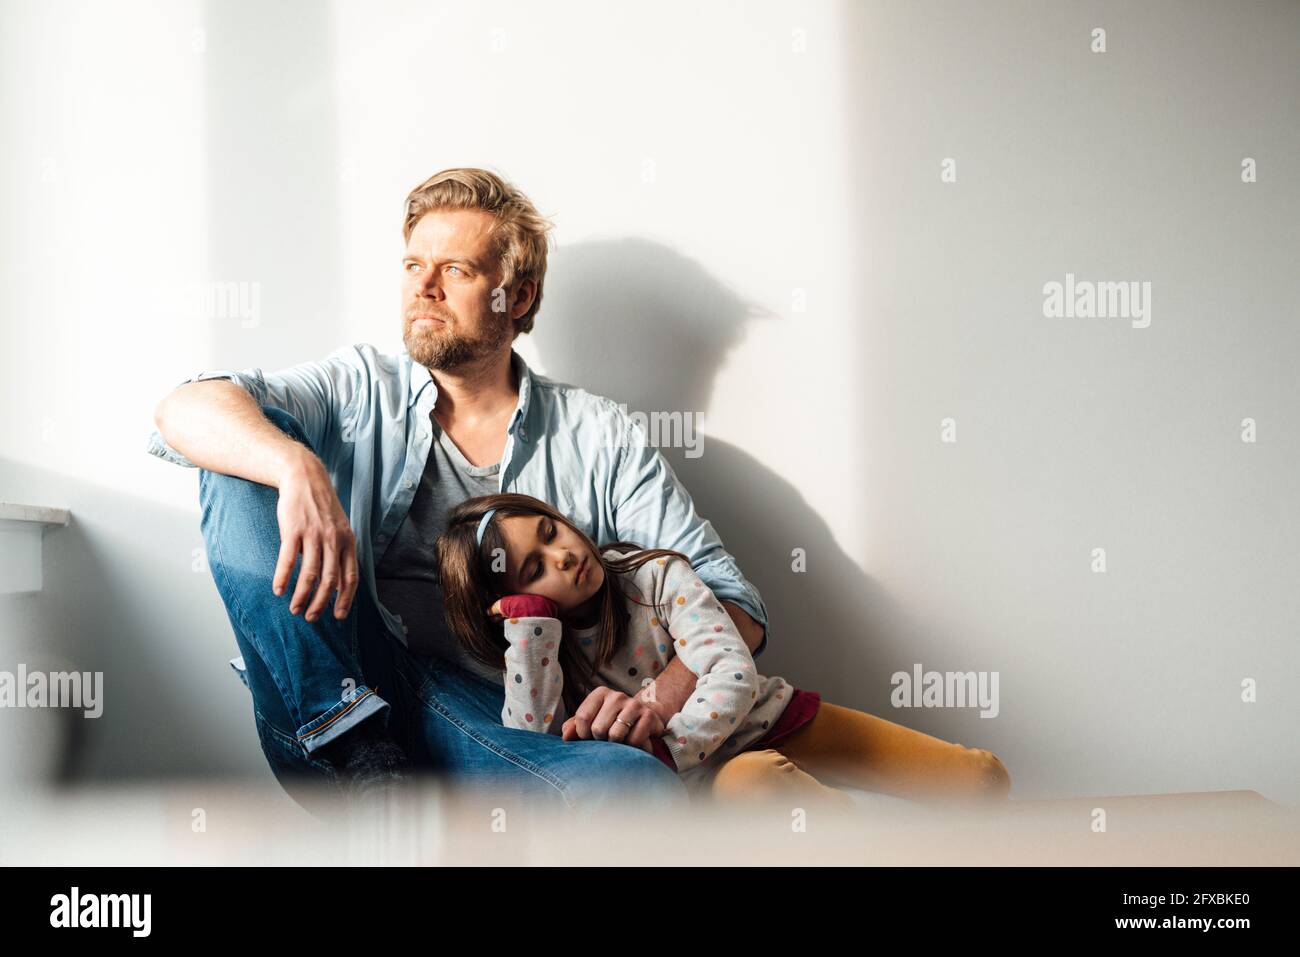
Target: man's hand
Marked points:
596	718
219	426
313	523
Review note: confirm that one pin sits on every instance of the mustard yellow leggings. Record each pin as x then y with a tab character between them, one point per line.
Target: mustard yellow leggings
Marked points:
841	747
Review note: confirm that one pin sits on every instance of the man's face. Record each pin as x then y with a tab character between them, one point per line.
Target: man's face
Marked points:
450	272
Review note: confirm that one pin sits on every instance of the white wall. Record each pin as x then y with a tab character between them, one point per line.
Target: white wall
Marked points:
751	228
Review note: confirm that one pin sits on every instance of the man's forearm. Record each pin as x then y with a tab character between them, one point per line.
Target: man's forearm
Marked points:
220	427
668	693
671	690
749	629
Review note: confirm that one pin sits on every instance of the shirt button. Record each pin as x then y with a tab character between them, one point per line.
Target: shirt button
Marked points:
410	484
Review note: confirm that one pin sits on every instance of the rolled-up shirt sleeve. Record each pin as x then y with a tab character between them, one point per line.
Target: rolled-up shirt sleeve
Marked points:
312	392
653	509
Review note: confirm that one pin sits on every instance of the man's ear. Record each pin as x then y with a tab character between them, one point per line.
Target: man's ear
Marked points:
521	300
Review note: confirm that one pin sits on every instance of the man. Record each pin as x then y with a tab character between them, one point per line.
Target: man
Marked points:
345	469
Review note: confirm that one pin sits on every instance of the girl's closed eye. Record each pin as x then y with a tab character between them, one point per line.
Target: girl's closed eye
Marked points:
536	564
548	556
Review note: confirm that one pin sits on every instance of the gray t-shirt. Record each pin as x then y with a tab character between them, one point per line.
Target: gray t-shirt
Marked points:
406	577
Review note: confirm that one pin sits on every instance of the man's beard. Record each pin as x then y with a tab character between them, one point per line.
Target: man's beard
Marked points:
441	347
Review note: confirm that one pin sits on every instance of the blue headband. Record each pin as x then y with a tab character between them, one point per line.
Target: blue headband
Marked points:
478	536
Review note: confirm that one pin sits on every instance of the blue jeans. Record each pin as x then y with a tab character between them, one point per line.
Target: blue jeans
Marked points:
313	681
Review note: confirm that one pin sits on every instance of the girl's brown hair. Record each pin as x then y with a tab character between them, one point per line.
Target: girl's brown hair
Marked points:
470	584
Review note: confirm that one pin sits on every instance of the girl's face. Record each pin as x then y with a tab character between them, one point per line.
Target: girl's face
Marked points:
546	557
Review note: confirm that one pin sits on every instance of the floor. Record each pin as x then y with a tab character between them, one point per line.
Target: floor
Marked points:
218	823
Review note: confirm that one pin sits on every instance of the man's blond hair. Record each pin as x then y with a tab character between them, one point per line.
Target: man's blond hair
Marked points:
519	233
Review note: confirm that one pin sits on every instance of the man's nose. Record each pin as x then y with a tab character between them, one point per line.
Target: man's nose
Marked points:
431	287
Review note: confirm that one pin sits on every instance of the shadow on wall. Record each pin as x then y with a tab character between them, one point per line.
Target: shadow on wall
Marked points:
640	323
127	593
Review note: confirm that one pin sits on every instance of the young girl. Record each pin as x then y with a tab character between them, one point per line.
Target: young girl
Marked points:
529	593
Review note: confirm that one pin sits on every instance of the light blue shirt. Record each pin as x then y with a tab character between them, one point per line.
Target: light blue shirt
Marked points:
368	418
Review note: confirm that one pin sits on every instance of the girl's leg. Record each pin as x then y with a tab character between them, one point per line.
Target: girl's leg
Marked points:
771	776
849	748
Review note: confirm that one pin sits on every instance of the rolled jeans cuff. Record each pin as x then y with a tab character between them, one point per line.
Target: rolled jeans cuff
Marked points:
342	717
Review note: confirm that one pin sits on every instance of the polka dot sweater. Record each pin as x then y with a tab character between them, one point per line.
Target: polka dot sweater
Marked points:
732	705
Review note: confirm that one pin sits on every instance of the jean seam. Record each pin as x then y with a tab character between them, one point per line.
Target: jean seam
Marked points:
238	608
432	704
218	568
329	717
286	741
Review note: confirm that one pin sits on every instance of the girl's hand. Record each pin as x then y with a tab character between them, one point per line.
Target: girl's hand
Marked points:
523	606
609	715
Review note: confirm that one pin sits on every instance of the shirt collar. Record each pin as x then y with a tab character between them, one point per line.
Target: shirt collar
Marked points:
421	379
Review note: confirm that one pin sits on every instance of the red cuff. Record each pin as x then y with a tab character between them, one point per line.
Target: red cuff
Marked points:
529	606
662	753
